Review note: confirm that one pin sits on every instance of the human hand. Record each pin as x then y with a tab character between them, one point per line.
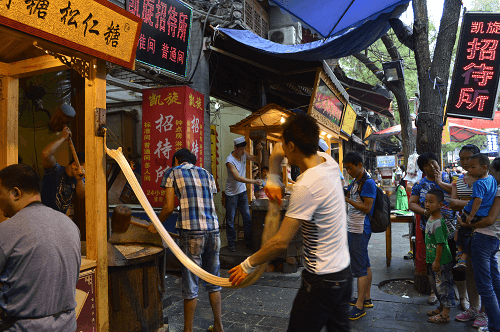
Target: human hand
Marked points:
469	219
237	275
453	204
461	222
274	188
257	182
66	133
152	228
436	266
258	147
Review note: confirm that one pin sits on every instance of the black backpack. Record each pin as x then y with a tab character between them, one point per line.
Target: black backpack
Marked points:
382	212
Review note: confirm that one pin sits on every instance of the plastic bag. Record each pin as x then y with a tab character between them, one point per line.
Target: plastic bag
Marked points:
412	169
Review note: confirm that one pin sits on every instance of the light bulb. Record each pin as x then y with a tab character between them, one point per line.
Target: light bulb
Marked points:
329	135
282	120
323	133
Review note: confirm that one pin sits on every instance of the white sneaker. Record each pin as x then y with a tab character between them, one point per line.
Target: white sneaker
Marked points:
483	329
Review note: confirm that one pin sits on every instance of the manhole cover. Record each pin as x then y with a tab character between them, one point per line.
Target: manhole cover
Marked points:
400	287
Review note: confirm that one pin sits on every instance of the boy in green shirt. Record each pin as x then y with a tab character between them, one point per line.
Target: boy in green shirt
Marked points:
438	257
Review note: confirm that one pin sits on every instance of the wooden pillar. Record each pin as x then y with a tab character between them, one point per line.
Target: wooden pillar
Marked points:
95	190
249	164
78	131
9	109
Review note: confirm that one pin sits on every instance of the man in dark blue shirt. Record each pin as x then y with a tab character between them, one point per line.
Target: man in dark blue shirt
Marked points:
60	183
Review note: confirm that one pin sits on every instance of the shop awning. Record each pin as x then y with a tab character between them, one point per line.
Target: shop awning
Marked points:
361	33
328	17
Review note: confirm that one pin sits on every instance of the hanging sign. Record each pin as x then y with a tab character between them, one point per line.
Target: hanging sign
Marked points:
95	27
327	103
474	88
172	119
349	120
165	33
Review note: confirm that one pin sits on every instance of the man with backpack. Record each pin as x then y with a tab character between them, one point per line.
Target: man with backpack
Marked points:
360	196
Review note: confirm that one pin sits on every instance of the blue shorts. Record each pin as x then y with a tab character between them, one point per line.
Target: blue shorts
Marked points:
358	250
202	247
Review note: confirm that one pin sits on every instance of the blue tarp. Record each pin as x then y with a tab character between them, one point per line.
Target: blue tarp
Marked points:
325	15
340	45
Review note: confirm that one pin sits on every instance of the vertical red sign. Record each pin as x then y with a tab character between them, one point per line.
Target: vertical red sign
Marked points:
172	119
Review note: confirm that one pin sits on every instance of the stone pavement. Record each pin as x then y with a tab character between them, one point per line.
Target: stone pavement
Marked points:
265	306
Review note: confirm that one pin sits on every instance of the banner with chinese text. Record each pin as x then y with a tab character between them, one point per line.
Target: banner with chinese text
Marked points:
165	33
95	27
172	119
474	87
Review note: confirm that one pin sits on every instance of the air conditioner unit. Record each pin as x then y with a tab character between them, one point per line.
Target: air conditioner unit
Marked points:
285	36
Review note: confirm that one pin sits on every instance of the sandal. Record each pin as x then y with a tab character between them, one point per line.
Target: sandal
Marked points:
434	312
439	319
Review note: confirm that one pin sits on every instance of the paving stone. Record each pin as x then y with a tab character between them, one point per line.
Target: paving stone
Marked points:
390	323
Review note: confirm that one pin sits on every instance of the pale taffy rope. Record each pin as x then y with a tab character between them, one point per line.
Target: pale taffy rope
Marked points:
270	228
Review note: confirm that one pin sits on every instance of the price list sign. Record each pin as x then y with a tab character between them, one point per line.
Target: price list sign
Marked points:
172	119
165	33
474	88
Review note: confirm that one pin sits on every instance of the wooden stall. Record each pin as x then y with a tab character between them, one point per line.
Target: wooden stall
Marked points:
81	35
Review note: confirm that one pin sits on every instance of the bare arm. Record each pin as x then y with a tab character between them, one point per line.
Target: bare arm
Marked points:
486	221
364	206
80	188
231	168
456	204
48	160
437	261
414	206
272	249
168	207
258	157
475	207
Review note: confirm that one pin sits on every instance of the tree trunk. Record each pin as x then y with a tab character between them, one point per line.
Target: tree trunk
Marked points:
433	74
407	136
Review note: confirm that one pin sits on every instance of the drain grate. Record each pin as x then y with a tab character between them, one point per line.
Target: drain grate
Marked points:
399	287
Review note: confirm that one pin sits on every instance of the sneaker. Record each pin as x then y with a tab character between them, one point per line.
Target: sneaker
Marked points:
484	329
467	315
366	303
409	256
461	266
481	320
356	313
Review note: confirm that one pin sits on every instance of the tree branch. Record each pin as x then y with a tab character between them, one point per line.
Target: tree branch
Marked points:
391	48
370	65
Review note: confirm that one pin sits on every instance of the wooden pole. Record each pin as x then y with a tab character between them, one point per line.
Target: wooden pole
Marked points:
9	102
95	190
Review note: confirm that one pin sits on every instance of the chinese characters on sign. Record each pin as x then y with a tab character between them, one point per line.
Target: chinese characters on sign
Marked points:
172	119
474	88
102	30
165	33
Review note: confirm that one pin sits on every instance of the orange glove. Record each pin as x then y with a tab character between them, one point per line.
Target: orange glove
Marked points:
274	188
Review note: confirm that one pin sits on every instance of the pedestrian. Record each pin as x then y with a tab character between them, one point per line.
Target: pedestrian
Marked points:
484	247
438	257
360	195
434	178
316	206
60	183
199	229
236	191
40	258
460	196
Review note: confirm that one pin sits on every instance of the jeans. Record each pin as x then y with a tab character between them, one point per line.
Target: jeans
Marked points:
322	300
239	201
442	284
358	250
485	266
202	247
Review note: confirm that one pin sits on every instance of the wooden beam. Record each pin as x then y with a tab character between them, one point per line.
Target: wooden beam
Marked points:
35	66
4	69
95	190
9	102
213	48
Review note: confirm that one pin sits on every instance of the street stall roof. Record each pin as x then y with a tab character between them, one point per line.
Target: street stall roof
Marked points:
328	19
480	123
344	43
267	118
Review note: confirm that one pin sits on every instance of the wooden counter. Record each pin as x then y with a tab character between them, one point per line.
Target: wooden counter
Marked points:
410	218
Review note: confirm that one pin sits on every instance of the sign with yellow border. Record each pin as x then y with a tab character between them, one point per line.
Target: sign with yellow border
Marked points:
349	120
95	27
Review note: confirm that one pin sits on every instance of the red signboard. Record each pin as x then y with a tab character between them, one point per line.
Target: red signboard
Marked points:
474	88
172	119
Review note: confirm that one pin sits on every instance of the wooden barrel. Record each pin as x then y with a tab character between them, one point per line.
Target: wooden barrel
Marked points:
136	289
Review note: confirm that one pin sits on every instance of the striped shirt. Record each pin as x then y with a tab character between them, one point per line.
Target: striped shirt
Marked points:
464	192
195	188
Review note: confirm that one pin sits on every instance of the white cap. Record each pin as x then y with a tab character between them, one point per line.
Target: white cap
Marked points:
239	140
322	145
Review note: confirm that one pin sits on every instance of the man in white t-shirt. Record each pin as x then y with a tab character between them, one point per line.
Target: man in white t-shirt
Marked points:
316	207
236	191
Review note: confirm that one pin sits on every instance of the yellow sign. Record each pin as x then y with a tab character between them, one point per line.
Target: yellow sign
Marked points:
349	120
95	27
368	132
446	133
